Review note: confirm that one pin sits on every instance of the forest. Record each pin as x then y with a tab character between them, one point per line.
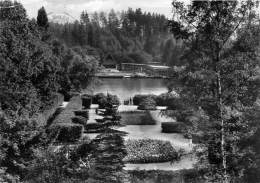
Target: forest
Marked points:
129	36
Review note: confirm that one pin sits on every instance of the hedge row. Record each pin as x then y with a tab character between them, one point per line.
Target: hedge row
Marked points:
165	99
137	118
172	127
149	151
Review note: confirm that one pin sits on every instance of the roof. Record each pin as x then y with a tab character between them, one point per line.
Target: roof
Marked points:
162	67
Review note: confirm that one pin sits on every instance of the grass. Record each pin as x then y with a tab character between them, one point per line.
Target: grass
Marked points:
137	118
149	151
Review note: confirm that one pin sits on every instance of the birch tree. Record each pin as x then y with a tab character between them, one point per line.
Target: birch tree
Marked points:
218	77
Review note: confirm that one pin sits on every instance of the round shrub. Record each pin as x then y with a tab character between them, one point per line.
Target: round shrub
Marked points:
147	104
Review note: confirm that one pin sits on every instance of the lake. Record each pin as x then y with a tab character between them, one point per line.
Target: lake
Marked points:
125	88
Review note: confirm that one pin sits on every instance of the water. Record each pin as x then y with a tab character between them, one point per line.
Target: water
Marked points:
125	88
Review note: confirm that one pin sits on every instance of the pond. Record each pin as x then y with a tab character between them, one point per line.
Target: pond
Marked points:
125	88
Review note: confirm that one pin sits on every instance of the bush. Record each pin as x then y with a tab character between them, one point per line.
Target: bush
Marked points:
99	96
83	113
79	120
137	118
166	99
147	104
149	151
172	127
139	98
68	133
86	101
104	100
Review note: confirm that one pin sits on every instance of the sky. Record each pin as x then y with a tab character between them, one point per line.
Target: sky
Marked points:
75	7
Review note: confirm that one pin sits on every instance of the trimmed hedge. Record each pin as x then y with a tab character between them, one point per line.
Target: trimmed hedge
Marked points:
83	113
149	151
147	104
137	118
172	127
68	133
79	120
86	101
139	98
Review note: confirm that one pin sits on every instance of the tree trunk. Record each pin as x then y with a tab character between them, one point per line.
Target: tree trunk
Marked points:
223	151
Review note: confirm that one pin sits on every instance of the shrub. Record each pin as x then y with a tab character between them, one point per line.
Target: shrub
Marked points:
79	120
83	113
98	97
172	127
149	151
165	99
147	104
86	101
105	100
68	133
137	118
139	98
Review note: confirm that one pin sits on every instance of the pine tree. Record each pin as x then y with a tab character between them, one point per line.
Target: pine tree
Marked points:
42	19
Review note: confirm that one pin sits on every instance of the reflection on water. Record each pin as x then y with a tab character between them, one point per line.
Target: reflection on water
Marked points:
125	88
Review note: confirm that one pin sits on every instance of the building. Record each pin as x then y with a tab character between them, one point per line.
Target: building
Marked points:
109	62
150	69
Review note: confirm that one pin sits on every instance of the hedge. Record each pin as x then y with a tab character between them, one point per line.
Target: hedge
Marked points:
149	151
147	104
79	120
83	113
68	133
137	118
139	98
86	101
172	127
104	100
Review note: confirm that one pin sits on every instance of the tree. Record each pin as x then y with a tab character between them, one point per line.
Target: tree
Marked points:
84	17
218	77
42	19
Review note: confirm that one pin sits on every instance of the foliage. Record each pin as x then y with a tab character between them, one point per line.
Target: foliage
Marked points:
133	35
137	118
79	120
105	100
67	132
149	151
147	104
42	19
139	98
220	78
173	127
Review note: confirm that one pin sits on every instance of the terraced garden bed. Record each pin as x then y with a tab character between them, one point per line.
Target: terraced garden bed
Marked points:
149	151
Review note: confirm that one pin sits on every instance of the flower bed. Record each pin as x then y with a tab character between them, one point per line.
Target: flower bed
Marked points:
149	151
